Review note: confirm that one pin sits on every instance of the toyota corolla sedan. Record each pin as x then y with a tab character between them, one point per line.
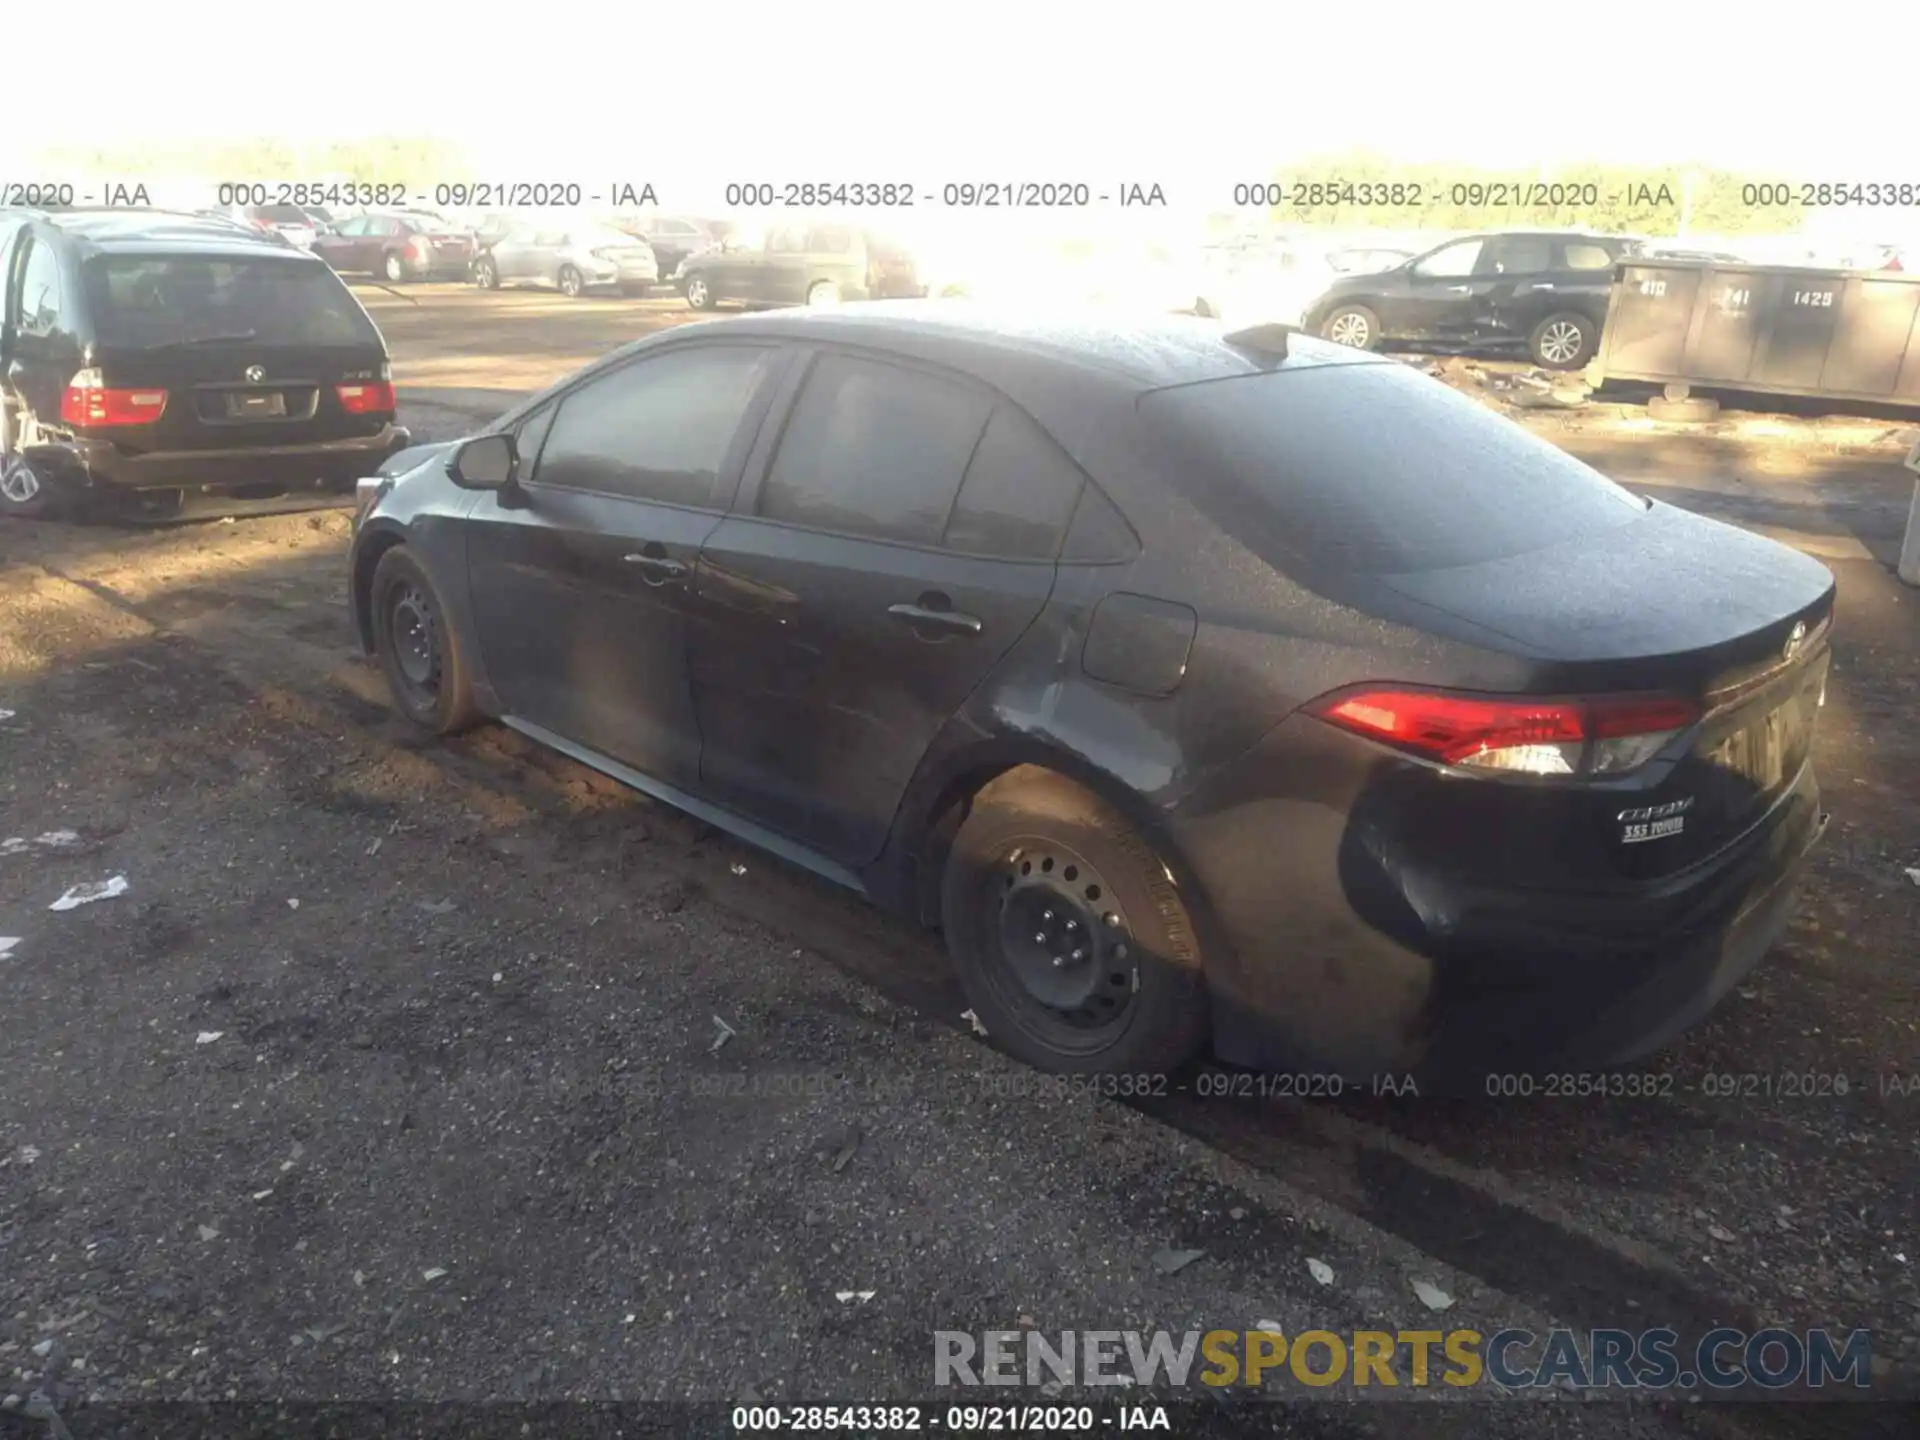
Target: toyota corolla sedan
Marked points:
1207	688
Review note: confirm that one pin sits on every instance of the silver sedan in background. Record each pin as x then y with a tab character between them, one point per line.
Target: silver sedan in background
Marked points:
572	258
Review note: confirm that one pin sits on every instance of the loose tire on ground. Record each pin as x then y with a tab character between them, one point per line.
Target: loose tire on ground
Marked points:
428	677
1042	864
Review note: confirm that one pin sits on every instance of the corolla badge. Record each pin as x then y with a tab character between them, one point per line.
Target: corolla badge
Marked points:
1654	822
257	373
1794	640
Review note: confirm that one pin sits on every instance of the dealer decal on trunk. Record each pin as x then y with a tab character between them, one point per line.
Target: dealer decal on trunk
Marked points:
1654	822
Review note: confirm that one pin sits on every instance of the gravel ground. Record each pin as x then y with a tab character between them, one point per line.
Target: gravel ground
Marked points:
455	1072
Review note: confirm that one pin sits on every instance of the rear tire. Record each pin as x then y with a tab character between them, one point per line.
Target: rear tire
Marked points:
699	296
1563	341
26	493
822	294
394	268
486	275
427	675
571	284
1076	950
1352	325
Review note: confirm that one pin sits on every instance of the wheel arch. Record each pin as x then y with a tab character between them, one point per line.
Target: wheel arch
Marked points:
366	559
943	793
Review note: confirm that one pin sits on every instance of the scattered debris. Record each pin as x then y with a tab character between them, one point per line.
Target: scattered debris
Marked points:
724	1034
974	1020
91	891
438	907
359	1279
321	1333
259	1195
847	1297
1913	873
51	840
1722	1234
7	714
28	1154
374	848
7	942
1172	1262
847	1151
1272	1327
1432	1296
1236	1213
207	1037
434	1274
208	1232
293	904
738	868
1320	1270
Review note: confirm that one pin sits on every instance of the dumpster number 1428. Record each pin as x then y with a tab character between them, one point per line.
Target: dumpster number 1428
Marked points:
1813	297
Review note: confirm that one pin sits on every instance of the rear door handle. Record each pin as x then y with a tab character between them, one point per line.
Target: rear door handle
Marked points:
938	618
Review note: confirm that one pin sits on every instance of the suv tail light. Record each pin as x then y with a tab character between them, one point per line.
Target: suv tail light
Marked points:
88	401
366	397
1592	735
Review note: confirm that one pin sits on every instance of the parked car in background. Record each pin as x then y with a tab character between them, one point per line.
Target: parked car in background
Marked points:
400	246
673	237
817	264
1367	261
290	222
163	364
1545	292
572	258
1071	634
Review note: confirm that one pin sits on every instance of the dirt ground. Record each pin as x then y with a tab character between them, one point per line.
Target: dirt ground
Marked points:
454	1071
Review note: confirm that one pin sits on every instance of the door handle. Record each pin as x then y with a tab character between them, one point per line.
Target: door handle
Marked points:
935	617
1459	289
1544	285
656	566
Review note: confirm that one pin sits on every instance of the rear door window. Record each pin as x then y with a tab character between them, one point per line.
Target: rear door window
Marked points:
874	449
1585	255
1373	468
143	300
1517	255
1453	263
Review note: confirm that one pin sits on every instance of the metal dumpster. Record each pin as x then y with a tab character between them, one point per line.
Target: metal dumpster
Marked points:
1770	329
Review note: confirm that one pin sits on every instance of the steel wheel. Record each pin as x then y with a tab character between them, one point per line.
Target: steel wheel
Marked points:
1060	950
416	650
1350	327
1561	342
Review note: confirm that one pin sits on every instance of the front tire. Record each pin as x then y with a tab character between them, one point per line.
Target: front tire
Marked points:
427	675
1562	342
822	294
698	295
1352	325
1075	948
395	269
486	275
572	285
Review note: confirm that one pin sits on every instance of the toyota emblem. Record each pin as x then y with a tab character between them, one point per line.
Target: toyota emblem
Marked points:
1794	640
257	373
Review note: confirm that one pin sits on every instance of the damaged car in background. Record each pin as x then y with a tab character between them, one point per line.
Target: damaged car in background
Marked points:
1208	688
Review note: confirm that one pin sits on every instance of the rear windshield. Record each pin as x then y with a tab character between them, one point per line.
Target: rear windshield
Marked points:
1374	468
141	300
282	215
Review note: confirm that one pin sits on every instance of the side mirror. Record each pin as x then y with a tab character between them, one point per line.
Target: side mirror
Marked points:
486	462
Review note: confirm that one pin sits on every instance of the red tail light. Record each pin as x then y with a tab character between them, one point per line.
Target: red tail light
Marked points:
420	248
88	401
1603	735
366	397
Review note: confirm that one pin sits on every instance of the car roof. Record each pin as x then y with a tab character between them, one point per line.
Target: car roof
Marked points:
1147	353
158	231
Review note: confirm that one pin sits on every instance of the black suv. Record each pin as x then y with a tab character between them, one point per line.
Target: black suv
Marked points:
800	265
1545	290
159	364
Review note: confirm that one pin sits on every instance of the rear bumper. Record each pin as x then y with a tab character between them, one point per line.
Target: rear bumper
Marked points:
177	485
1342	957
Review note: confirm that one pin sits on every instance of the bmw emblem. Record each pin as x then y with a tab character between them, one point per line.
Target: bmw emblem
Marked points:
257	373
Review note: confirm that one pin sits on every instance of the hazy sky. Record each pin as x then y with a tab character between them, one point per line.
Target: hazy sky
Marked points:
1194	95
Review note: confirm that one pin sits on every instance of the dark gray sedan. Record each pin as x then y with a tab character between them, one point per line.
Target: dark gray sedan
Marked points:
1203	686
